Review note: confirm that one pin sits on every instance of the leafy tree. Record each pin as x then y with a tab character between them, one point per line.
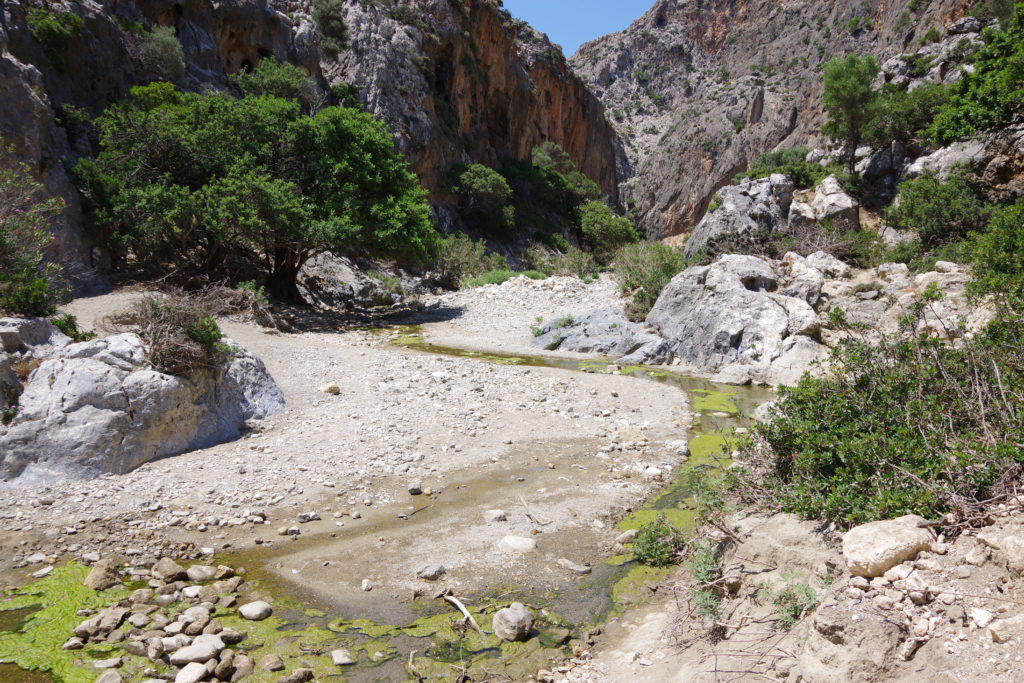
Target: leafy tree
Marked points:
991	97
483	188
161	53
53	31
603	231
329	17
999	254
902	116
280	79
849	99
940	211
186	178
30	284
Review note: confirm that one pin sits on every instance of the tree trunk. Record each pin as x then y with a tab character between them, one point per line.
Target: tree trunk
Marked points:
282	284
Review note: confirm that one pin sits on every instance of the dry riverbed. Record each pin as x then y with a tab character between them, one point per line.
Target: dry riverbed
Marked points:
509	477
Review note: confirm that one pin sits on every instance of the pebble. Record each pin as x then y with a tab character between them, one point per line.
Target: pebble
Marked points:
495	516
271	662
342	657
573	567
255	611
432	572
366	585
45	571
518	544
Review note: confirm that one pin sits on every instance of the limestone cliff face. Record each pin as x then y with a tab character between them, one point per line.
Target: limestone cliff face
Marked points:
457	81
700	88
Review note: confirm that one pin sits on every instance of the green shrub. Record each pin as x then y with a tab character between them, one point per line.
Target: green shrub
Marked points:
643	269
998	254
483	189
992	96
281	79
53	31
161	54
603	231
903	116
329	17
912	425
575	262
940	211
258	291
493	277
68	325
30	284
459	258
932	35
792	600
790	161
702	563
658	543
181	338
184	178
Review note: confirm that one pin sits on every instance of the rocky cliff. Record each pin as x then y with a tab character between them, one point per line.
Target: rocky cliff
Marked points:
456	80
700	88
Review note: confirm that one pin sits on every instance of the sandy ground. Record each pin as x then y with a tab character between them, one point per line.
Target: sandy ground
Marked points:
568	447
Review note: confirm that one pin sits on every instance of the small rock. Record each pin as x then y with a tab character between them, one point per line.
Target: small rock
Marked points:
243	667
626	537
192	673
1003	630
366	585
978	555
415	489
513	622
73	643
342	658
271	662
874	548
305	517
332	389
203	649
518	544
111	663
981	617
255	611
103	575
167	569
297	676
432	572
200	572
45	571
573	567
495	516
109	676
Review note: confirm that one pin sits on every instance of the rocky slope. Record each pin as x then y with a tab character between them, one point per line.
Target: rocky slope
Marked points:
455	81
698	90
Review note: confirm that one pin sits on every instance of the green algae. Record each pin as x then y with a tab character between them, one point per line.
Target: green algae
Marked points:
35	645
708	401
633	588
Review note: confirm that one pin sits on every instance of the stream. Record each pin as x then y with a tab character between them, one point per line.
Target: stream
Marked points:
385	629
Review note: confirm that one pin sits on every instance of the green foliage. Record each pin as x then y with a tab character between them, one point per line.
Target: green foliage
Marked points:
658	543
329	17
790	161
903	116
184	178
497	277
992	97
258	291
643	269
848	98
283	80
914	424
29	283
68	325
53	31
998	10
459	258
603	231
999	254
932	35
161	54
792	600
702	563
939	211
485	196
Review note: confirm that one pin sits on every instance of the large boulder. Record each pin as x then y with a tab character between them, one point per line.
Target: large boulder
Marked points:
733	312
606	331
833	205
750	206
96	407
874	548
19	334
335	281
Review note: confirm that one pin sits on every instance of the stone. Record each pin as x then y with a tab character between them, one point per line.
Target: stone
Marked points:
626	537
366	585
231	636
432	572
981	617
513	623
747	207
332	389
200	572
167	569
517	544
606	331
111	663
495	516
103	575
415	489
573	567
73	643
96	407
191	673
243	667
1004	630
255	611
109	676
1012	549
832	204
298	676
271	662
978	555
41	573
872	549
342	657
202	649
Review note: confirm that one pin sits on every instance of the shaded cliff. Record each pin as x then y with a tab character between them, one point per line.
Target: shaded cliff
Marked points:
457	81
700	88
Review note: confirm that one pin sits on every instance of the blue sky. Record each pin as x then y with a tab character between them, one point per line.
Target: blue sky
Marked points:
572	22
